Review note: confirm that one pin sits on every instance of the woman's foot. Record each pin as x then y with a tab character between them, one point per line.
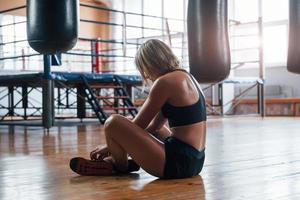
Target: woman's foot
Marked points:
131	167
86	167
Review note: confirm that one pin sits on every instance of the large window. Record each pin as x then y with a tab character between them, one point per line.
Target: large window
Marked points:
275	31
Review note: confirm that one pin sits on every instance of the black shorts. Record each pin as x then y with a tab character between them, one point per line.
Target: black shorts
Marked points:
182	159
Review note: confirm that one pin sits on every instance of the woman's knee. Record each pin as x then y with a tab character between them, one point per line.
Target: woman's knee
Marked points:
113	122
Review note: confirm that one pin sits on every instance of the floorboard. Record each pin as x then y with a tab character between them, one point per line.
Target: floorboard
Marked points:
246	158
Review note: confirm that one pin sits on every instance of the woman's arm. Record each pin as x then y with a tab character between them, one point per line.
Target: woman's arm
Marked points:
158	95
163	133
158	121
158	128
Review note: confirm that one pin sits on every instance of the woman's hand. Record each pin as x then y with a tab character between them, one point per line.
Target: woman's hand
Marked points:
99	153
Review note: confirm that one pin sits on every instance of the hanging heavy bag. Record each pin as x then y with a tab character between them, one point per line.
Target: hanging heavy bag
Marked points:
208	45
52	25
293	61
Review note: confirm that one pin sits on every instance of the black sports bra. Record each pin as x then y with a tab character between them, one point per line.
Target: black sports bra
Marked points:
185	115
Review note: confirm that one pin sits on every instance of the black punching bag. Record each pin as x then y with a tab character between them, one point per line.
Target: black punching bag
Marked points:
209	53
293	61
52	25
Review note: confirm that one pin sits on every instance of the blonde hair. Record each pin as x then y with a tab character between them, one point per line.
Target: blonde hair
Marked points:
155	58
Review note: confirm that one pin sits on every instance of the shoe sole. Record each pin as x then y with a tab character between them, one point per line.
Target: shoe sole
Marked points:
86	167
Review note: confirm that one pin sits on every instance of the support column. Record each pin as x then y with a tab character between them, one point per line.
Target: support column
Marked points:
261	99
11	101
221	98
25	100
48	94
81	113
261	60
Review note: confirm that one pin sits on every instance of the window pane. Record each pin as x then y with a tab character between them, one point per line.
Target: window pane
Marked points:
152	7
173	9
275	10
134	6
246	10
275	44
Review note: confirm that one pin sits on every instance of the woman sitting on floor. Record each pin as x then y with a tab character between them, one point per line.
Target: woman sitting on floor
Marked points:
174	152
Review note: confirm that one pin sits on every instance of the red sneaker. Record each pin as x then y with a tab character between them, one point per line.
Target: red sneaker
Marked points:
86	167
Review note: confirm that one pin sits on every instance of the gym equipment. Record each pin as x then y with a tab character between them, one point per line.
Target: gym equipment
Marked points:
209	54
52	25
293	61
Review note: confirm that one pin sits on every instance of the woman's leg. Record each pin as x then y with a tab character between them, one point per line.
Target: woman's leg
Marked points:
124	137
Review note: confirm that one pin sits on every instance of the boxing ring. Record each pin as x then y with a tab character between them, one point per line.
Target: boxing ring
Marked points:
112	92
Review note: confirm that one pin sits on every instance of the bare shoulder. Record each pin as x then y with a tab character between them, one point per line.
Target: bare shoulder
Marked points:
173	79
163	81
162	88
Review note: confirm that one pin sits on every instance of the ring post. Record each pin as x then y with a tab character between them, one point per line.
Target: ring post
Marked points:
48	91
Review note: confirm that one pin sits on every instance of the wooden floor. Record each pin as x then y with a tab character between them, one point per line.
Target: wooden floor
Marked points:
246	158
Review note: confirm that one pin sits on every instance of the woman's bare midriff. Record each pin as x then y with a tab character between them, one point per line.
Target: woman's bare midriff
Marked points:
193	134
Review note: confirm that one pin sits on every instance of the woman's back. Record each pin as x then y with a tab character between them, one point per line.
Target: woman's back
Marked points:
185	109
